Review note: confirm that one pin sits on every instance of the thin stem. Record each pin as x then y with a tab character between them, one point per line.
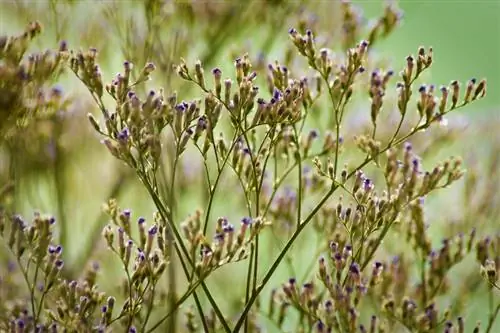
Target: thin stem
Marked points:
492	318
280	258
248	280
181	247
181	300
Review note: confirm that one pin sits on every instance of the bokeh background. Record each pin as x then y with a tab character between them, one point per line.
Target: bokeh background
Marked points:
465	36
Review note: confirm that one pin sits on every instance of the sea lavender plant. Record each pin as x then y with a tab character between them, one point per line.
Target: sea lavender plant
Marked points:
278	138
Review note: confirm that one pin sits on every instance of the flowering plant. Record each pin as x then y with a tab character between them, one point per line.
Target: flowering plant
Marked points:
280	139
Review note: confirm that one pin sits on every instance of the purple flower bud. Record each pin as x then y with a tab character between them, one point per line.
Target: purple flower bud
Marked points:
152	231
180	107
228	228
368	185
307	285
246	220
59	263
141	220
217	72
354	268
277	94
104	309
219	237
95	266
57	91
19	221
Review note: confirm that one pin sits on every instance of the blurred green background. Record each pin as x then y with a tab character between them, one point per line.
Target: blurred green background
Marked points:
465	36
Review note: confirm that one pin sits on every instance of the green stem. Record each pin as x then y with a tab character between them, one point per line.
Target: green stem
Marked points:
493	316
181	249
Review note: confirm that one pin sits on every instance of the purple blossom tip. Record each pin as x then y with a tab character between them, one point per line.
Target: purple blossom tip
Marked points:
180	107
95	265
59	263
354	268
277	94
152	231
246	220
216	71
228	228
141	220
219	237
422	88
